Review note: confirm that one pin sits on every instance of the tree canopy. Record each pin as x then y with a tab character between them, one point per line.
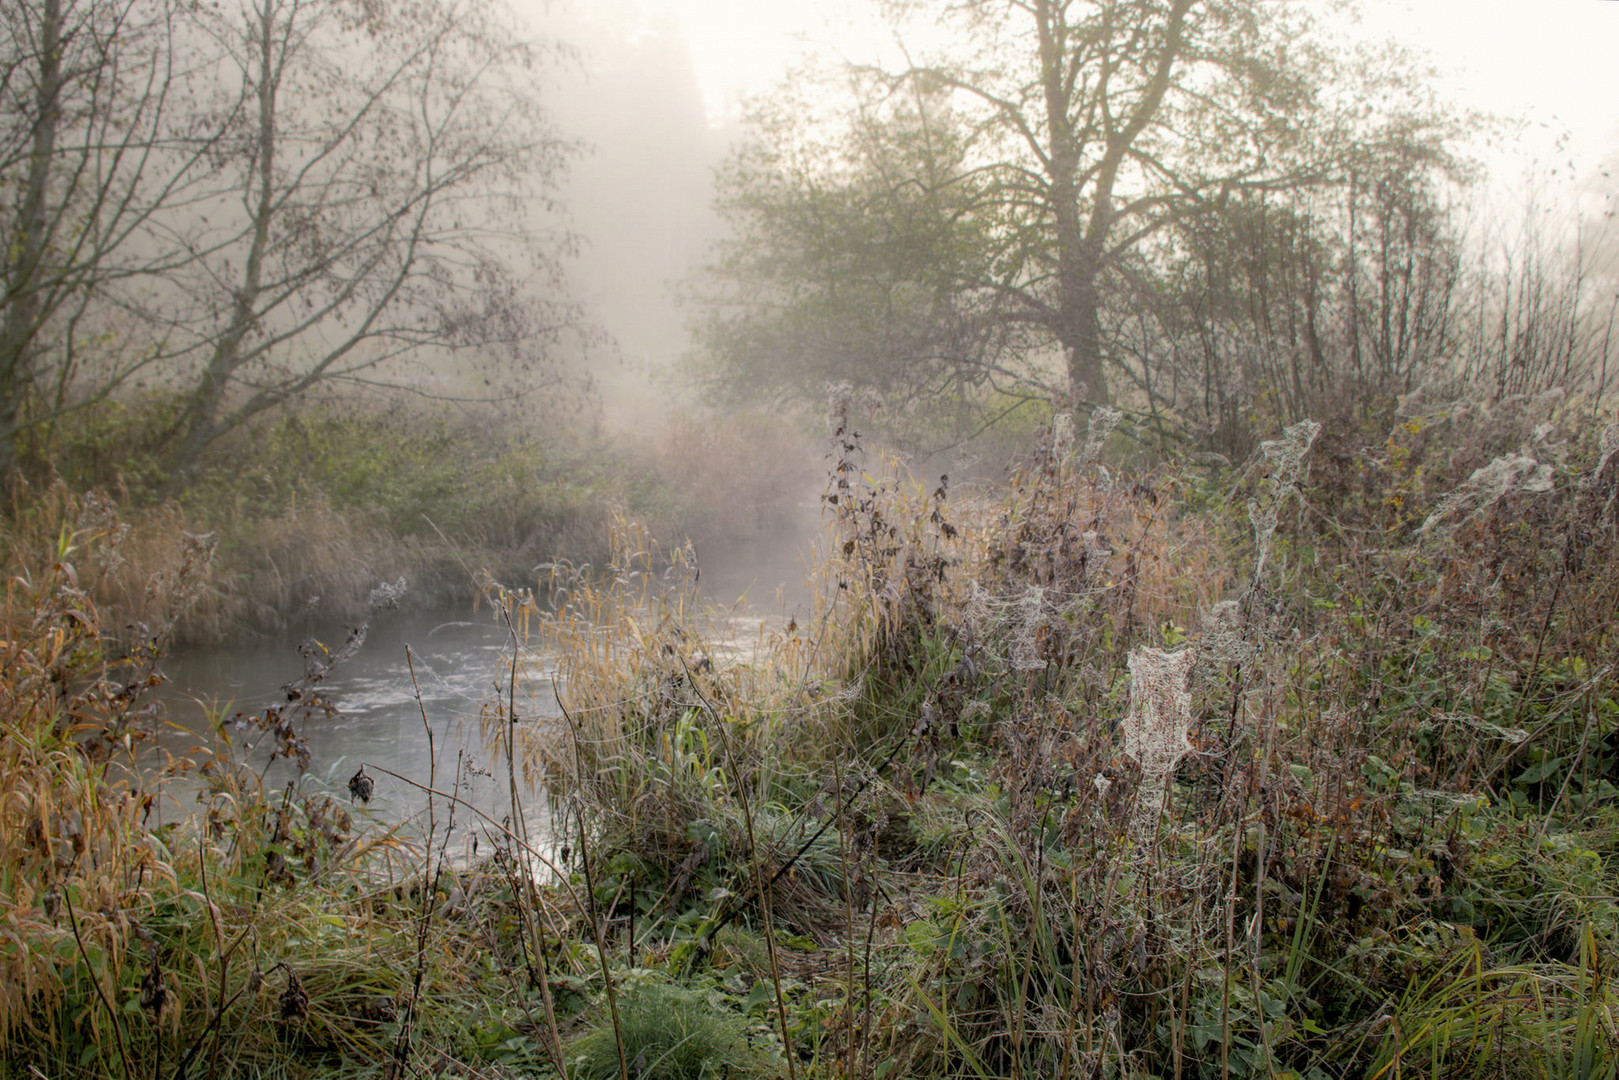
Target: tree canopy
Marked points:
996	208
242	202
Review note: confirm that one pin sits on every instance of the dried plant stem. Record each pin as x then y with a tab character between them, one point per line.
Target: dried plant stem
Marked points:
851	1058
505	832
529	912
1262	859
215	1023
1528	681
590	897
1075	979
224	960
759	886
866	1015
430	878
84	954
1230	935
731	905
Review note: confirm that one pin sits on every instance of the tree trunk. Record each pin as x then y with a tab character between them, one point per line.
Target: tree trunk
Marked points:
19	328
1079	307
1081	337
1079	322
201	423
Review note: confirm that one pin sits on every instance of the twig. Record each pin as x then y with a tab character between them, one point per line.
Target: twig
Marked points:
504	831
529	913
429	883
590	895
758	874
84	954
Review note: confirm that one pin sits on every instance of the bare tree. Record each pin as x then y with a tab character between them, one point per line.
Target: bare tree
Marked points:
386	179
1288	304
87	159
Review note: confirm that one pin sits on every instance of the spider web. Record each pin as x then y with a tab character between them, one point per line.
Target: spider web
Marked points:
1159	718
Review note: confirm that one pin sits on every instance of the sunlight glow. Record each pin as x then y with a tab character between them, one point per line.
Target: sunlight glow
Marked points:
1548	63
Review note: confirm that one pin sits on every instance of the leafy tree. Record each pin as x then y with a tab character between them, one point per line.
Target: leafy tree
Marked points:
846	259
1056	154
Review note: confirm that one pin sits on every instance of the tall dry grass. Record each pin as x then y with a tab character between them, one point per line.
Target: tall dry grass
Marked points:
154	573
75	858
1297	769
256	932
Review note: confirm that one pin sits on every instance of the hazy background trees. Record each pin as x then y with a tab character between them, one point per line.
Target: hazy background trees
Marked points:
369	206
241	203
91	152
1215	213
1065	140
1203	210
849	261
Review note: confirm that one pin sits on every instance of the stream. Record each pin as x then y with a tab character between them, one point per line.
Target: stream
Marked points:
458	659
461	664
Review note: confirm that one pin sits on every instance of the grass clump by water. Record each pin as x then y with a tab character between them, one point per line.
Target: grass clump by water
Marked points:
670	1034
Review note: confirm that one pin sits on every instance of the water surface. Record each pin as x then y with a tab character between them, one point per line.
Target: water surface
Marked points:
385	709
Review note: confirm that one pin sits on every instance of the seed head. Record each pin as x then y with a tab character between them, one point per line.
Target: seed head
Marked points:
154	995
361	786
294	999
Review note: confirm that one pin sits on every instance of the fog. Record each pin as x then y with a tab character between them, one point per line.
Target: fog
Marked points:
639	197
657	87
510	226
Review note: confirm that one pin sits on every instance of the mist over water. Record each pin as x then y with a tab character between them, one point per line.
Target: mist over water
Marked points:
442	669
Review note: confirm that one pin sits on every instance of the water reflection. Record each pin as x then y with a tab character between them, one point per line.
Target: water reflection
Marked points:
461	666
412	674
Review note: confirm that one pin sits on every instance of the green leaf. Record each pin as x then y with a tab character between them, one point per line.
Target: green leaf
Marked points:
762	993
1534	774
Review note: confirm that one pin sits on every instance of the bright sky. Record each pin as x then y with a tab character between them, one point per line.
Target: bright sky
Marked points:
742	47
1553	62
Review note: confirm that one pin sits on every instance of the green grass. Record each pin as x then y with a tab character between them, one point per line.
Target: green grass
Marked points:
670	1034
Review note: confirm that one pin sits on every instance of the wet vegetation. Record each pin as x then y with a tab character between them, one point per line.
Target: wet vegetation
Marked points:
1239	701
1299	767
306	513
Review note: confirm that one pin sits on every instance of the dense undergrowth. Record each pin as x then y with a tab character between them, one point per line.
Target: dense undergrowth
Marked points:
1303	767
309	510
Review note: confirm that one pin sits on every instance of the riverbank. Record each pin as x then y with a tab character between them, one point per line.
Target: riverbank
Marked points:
1302	768
297	522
